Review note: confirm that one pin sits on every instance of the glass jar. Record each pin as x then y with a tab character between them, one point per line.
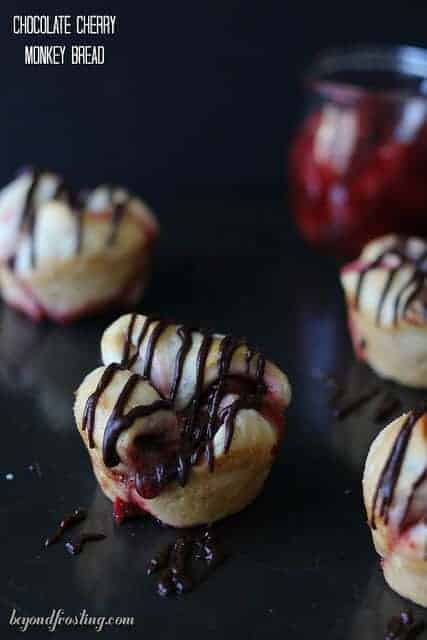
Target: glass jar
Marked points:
358	163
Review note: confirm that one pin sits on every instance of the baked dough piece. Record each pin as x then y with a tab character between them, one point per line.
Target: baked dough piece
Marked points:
180	423
63	256
386	294
395	492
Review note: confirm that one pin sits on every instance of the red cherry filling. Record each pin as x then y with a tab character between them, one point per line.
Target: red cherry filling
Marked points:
159	458
154	457
368	181
123	510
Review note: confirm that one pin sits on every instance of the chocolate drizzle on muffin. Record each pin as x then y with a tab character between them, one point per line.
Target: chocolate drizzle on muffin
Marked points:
118	201
384	492
199	421
399	256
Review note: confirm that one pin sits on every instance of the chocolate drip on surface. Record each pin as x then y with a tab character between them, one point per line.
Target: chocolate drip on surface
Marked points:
159	561
403	627
175	577
186	563
77	516
389	477
416	280
76	546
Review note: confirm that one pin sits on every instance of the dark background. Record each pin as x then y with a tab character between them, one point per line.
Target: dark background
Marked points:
194	94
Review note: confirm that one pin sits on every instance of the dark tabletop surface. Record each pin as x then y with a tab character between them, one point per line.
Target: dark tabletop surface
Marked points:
302	564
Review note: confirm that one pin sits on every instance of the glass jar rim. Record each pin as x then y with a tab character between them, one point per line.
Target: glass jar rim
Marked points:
405	60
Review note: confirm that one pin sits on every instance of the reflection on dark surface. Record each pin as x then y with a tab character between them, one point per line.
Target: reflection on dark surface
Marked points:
46	362
353	435
302	557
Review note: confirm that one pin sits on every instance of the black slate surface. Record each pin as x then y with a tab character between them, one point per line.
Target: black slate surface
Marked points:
302	564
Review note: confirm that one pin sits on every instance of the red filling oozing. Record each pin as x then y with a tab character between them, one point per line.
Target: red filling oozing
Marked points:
161	458
123	510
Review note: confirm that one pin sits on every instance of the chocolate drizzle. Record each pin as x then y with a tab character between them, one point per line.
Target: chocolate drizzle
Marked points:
151	345
119	202
128	340
227	348
199	431
187	342
245	402
88	422
76	546
76	517
199	421
383	496
118	422
119	209
28	216
403	627
417	279
186	563
127	360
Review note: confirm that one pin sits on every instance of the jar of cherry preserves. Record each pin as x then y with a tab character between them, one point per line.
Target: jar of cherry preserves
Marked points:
358	163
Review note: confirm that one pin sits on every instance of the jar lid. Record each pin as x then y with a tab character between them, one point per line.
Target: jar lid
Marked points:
393	72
